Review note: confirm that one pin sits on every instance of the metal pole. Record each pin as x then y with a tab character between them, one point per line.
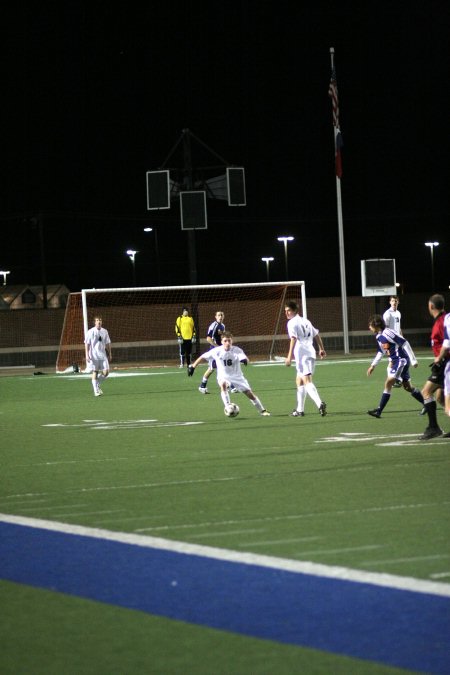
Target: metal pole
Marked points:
341	245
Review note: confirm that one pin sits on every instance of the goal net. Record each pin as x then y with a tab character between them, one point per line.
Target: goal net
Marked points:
141	321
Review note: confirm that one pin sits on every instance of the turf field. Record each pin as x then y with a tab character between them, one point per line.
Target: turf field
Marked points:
151	534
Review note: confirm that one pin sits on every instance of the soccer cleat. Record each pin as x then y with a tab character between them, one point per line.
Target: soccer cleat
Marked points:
233	390
265	413
430	432
423	411
447	435
323	409
98	393
375	413
297	413
203	390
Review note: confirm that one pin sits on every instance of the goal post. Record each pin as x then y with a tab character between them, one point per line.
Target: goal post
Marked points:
141	321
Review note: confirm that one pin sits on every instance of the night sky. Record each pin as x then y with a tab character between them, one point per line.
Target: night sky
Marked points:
96	94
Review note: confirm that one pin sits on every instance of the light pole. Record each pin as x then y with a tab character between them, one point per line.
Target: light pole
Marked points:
132	256
4	273
153	229
431	245
267	261
285	242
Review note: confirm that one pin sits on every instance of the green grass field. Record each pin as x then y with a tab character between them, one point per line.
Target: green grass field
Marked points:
154	457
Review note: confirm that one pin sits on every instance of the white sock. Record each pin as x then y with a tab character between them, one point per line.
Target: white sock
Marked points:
257	403
225	397
312	391
301	395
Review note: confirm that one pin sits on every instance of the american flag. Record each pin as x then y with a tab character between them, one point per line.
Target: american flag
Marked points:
333	94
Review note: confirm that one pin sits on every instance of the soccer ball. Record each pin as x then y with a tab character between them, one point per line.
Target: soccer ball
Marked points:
231	410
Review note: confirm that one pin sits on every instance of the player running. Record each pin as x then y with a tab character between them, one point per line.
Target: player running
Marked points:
229	358
401	357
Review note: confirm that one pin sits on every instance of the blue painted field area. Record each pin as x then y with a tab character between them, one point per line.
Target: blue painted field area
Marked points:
391	626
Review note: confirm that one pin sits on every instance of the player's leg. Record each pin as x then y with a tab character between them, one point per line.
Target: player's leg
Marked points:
256	402
203	388
308	366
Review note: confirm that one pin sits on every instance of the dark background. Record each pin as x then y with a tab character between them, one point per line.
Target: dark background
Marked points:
95	95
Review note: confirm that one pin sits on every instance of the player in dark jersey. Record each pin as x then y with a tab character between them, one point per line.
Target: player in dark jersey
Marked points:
214	337
433	389
401	357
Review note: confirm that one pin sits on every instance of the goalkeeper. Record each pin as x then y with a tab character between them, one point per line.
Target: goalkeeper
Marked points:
185	331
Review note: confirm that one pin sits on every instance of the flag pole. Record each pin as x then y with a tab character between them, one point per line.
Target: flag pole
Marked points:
337	142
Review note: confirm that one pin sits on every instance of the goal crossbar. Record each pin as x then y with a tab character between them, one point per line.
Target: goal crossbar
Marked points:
141	321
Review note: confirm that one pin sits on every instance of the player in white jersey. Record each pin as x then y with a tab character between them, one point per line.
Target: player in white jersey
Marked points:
301	347
392	317
98	349
229	358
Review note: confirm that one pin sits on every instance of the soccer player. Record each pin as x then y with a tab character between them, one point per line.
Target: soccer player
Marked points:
228	358
301	347
401	357
392	319
214	337
434	386
98	348
392	316
185	330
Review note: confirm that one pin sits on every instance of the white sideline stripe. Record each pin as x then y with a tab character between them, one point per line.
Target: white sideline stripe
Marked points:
313	569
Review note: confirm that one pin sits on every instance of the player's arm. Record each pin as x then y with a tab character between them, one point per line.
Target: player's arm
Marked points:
375	362
288	359
193	366
322	352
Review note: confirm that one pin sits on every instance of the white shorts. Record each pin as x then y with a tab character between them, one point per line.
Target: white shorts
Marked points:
447	379
240	383
305	364
99	364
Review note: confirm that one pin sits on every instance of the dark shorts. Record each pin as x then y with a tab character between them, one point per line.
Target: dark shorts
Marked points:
437	376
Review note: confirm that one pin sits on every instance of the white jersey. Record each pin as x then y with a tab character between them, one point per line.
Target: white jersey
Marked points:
97	339
392	320
446	342
228	362
302	329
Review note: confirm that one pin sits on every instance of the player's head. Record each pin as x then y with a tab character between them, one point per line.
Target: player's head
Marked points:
436	304
219	316
227	339
394	301
185	311
98	320
291	308
376	323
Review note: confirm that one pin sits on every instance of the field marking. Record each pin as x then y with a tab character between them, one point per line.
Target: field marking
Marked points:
119	424
277	541
300	567
299	516
403	440
223	533
394	561
440	575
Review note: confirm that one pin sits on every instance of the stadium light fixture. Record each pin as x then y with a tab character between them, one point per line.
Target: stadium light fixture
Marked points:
4	273
155	232
131	253
285	241
267	261
432	245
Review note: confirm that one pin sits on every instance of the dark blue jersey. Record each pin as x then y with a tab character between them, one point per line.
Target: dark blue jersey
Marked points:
392	344
215	332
